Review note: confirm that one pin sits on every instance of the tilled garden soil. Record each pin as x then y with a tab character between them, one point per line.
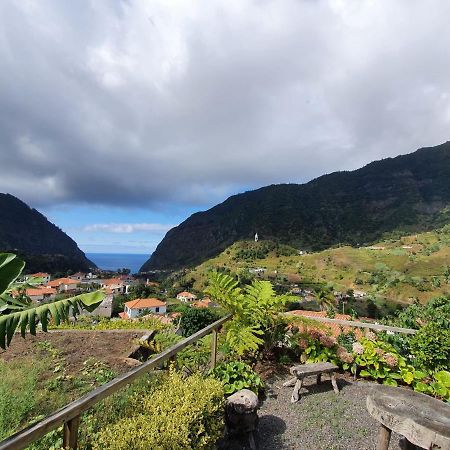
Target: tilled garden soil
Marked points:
76	346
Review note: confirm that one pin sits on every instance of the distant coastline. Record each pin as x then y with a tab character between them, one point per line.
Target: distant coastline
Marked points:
114	261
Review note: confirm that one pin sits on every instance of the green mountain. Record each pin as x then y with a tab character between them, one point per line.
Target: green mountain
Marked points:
44	247
408	193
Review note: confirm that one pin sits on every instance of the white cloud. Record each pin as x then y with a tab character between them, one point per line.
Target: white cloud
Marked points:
128	227
145	103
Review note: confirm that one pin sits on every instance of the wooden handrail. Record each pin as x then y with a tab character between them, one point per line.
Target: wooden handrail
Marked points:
69	415
352	323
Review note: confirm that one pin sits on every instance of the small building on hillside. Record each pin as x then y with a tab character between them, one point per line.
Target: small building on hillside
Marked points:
359	294
186	297
204	303
115	285
41	293
77	276
64	284
135	308
43	275
102	310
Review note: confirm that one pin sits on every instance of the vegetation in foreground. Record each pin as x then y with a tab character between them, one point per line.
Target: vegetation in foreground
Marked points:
259	332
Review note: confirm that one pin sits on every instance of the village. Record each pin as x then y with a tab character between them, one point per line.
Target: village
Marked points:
120	293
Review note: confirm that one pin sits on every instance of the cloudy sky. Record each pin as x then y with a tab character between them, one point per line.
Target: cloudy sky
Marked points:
118	119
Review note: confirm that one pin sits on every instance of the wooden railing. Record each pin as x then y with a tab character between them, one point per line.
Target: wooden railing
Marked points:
69	416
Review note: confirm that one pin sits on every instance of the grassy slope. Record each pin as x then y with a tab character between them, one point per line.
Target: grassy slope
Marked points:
394	272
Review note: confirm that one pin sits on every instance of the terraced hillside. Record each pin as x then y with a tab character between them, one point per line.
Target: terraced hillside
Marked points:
402	269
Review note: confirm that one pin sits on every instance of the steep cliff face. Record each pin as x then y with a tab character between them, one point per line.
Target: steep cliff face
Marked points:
406	193
40	243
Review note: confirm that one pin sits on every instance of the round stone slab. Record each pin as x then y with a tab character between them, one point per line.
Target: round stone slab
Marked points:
423	420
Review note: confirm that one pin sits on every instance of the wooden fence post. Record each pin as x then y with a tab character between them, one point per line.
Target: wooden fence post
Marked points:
70	437
214	348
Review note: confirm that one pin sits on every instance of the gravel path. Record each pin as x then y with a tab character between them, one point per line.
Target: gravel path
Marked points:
321	420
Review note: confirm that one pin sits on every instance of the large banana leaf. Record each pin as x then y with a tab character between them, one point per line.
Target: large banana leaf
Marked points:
59	311
10	268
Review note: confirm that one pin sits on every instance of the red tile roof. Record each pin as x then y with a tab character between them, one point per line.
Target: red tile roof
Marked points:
202	303
333	327
160	317
40	291
112	281
141	303
39	275
60	281
186	294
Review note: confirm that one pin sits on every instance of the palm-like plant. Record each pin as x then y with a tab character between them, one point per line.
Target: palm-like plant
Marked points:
325	299
18	311
255	308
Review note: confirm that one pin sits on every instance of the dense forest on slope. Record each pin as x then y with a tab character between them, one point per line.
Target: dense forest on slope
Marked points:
408	193
44	247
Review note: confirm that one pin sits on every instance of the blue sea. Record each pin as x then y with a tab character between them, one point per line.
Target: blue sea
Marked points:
114	261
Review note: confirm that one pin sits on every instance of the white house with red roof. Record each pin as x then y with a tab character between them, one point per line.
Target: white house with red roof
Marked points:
42	275
116	285
41	293
135	308
186	297
64	284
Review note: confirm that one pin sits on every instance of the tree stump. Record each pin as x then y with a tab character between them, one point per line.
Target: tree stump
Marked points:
241	416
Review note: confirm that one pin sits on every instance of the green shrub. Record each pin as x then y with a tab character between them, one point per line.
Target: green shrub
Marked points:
236	375
347	340
439	386
430	347
184	414
437	310
194	319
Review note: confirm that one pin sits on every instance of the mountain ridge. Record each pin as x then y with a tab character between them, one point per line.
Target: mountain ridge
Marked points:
405	192
44	247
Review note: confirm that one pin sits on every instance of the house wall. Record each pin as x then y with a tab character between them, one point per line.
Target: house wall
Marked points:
133	313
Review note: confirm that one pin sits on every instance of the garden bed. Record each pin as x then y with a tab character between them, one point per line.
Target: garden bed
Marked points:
111	347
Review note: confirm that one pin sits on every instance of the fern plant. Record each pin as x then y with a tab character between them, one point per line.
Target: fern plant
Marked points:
20	312
255	308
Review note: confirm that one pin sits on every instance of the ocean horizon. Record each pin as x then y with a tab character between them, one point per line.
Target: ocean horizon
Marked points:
114	261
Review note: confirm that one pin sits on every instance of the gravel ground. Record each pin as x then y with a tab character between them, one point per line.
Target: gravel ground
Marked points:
321	420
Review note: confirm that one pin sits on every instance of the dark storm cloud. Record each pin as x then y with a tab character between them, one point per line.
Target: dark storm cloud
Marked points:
141	103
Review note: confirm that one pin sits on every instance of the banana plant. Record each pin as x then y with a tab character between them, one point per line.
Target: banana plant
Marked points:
20	312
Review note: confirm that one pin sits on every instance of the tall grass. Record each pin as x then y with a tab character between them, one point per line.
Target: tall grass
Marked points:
18	380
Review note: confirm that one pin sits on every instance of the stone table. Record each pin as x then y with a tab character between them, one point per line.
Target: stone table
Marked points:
422	420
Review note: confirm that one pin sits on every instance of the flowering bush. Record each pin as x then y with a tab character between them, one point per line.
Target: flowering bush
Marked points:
319	347
376	359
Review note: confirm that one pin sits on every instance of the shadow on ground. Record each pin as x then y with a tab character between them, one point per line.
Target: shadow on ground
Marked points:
273	426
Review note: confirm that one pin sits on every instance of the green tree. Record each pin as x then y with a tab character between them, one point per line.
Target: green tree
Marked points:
325	299
142	291
194	319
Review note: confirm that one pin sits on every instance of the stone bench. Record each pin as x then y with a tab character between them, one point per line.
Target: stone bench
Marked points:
307	370
422	420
